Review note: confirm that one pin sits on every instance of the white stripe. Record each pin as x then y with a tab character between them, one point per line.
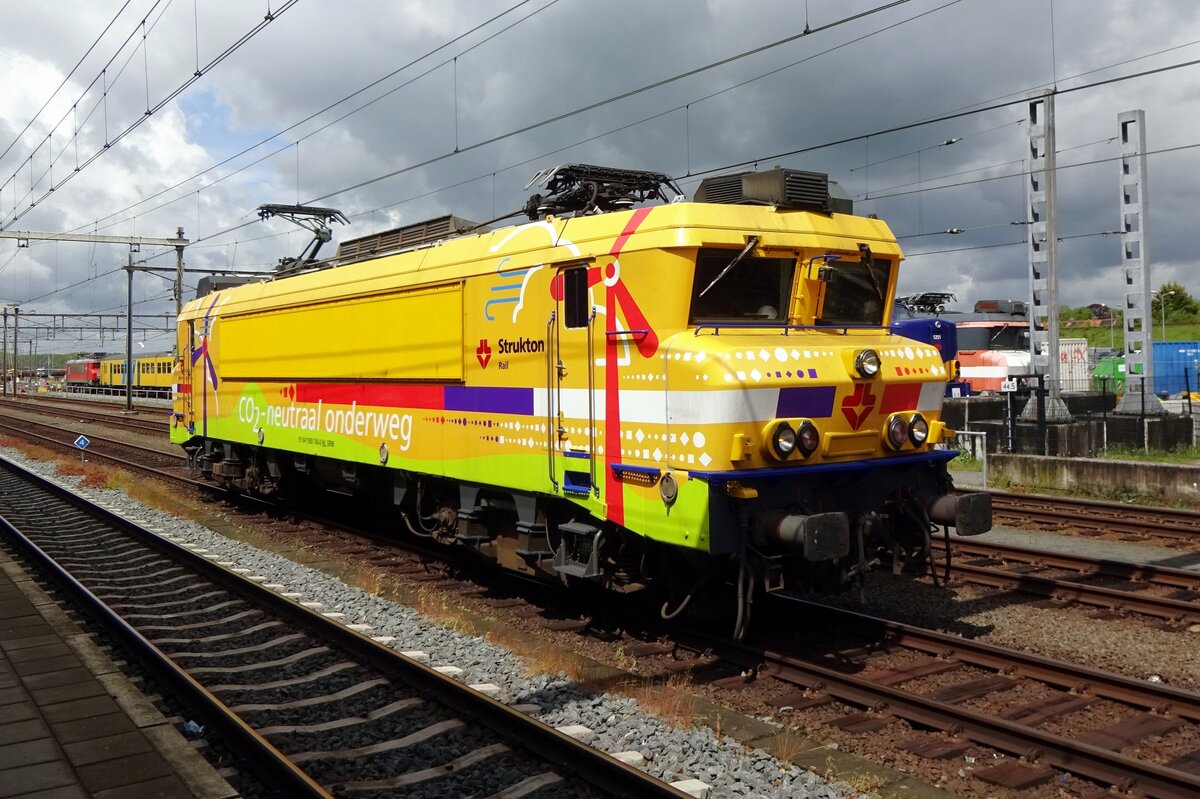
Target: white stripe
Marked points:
998	372
932	395
721	406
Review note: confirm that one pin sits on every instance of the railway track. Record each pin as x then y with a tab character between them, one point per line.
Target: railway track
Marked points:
1094	517
153	461
321	709
1172	595
148	420
959	687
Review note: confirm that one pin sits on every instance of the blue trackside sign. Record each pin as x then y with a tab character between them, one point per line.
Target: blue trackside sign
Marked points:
82	442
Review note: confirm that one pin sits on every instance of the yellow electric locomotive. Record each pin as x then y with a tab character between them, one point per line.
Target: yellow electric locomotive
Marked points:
638	396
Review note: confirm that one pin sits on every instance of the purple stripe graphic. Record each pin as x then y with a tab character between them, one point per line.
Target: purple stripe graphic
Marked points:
490	400
811	402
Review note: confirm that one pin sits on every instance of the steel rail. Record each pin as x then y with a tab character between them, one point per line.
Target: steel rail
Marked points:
1069	590
1116	569
70	445
154	426
1083	759
60	399
291	780
1071	676
598	768
1098	515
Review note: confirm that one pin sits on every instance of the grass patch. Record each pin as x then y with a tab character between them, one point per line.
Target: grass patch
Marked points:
1124	452
789	745
436	605
671	700
965	463
864	784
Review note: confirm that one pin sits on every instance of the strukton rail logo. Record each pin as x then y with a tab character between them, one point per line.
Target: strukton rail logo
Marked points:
858	406
510	346
483	352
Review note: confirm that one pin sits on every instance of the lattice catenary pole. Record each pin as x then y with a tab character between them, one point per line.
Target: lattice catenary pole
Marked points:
1135	260
1043	244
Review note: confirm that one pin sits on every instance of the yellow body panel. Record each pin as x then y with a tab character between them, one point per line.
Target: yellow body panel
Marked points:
352	339
456	360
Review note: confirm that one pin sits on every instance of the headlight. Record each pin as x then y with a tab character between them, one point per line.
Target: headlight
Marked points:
897	432
918	430
784	440
808	438
867	363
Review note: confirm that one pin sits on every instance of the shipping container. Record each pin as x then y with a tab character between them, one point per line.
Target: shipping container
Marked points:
1074	370
1175	364
1109	375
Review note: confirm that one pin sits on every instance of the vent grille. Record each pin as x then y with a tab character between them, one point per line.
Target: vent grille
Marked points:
723	189
784	188
407	237
806	188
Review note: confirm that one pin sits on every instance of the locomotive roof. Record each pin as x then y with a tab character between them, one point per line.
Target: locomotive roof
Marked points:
562	240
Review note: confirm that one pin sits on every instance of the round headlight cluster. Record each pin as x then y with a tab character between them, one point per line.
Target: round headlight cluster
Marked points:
918	430
783	440
901	431
808	438
867	363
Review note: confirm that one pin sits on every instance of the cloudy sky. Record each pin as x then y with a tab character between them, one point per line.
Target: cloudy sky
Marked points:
398	111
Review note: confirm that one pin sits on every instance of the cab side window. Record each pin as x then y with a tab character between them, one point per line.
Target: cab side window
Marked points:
576	308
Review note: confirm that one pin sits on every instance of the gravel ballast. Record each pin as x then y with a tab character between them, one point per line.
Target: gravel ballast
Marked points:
616	722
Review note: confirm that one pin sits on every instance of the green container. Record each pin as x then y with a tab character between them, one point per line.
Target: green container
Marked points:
1109	375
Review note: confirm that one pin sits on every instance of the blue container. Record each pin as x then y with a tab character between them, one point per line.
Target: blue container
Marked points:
1175	366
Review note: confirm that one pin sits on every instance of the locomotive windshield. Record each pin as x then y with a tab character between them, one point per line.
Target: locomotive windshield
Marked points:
998	337
855	292
755	289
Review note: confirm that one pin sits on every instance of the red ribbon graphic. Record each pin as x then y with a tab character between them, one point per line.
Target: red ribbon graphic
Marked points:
617	297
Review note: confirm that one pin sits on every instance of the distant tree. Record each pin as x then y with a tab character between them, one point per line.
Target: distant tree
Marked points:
1066	313
1181	307
1100	310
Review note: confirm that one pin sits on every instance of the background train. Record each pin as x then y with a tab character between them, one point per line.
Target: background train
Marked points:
699	399
992	342
152	372
911	318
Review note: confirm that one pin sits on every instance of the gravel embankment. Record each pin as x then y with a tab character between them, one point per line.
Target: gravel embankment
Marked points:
617	723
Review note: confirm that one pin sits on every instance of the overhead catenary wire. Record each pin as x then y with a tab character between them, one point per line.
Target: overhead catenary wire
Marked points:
68	76
624	96
459	150
694	177
327	108
150	111
1024	96
103	78
1126	61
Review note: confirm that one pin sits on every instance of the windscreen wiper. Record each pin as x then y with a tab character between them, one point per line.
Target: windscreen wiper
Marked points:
750	245
868	262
